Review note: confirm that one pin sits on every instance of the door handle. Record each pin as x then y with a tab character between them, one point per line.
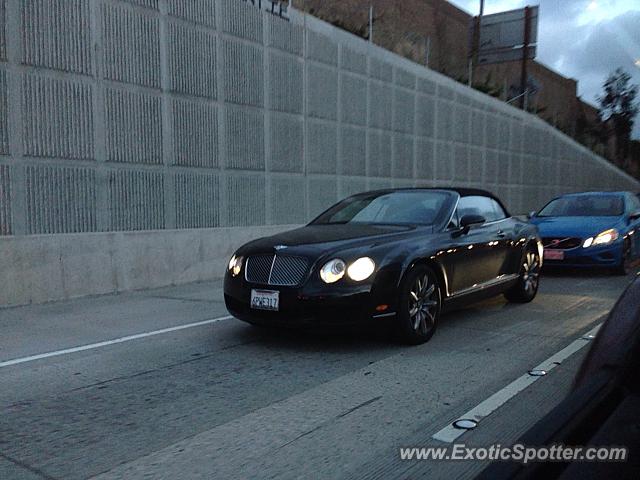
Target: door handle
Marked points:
501	234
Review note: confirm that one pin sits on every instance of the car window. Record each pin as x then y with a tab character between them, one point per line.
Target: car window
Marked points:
633	204
401	207
500	213
584	206
478	205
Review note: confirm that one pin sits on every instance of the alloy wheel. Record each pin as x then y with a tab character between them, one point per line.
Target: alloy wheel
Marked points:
531	272
423	304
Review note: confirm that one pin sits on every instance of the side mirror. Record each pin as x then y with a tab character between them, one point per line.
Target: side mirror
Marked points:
468	220
531	214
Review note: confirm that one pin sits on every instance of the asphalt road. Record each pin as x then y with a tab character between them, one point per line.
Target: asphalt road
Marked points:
222	399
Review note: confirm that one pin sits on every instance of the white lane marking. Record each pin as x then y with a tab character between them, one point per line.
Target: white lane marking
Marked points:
449	433
106	343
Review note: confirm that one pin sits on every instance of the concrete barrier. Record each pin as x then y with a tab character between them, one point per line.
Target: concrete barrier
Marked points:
41	268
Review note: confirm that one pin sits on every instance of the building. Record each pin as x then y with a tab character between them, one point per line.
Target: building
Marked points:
432	31
552	96
436	33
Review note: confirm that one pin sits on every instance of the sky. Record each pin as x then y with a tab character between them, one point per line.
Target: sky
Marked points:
582	39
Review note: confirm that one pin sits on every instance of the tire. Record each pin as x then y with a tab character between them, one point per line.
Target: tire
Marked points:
420	302
529	280
625	265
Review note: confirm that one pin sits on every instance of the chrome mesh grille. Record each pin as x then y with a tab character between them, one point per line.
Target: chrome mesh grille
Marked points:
258	269
288	271
276	270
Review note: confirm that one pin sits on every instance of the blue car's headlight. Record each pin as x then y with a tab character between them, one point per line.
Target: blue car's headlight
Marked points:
603	238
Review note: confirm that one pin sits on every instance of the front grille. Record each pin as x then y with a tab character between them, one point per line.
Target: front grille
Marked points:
259	268
561	243
276	270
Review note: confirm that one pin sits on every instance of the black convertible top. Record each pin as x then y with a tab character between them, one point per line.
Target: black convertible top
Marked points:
463	192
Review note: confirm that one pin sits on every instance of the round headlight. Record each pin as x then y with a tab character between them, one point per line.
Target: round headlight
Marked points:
361	269
235	265
333	270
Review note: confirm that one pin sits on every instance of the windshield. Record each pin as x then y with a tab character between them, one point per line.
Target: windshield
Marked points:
395	208
584	206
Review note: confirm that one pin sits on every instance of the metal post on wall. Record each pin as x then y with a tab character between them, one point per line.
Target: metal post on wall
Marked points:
427	49
525	52
371	23
475	44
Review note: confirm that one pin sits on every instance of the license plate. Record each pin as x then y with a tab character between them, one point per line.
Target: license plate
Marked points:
553	254
265	300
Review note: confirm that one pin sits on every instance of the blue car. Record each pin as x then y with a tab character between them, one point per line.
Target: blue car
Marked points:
591	229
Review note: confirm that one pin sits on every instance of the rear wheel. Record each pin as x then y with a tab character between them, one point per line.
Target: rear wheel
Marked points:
527	287
420	304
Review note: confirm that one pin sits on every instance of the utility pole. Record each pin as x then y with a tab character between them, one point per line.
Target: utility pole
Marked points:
525	55
427	49
475	43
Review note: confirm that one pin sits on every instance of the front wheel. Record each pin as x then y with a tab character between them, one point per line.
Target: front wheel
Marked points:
625	264
420	304
527	287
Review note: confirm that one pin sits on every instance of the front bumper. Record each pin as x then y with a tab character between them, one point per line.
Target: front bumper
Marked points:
600	256
305	306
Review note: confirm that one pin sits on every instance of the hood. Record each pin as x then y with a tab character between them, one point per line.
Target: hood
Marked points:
582	227
329	237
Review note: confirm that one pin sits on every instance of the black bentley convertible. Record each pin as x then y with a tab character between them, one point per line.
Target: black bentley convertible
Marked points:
403	253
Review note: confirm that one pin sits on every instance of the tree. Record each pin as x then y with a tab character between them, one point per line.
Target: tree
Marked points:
618	107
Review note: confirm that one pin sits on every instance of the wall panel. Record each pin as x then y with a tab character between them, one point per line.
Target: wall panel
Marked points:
130	45
57	118
192	61
5	200
195	133
197	200
133	127
136	200
60	200
56	34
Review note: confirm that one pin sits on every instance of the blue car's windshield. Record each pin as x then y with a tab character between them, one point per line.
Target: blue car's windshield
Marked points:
584	206
401	208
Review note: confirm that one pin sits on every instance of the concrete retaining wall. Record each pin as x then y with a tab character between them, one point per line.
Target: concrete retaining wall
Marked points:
40	268
156	115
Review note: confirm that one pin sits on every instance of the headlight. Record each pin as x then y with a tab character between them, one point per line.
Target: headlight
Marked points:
333	270
235	265
603	238
361	269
